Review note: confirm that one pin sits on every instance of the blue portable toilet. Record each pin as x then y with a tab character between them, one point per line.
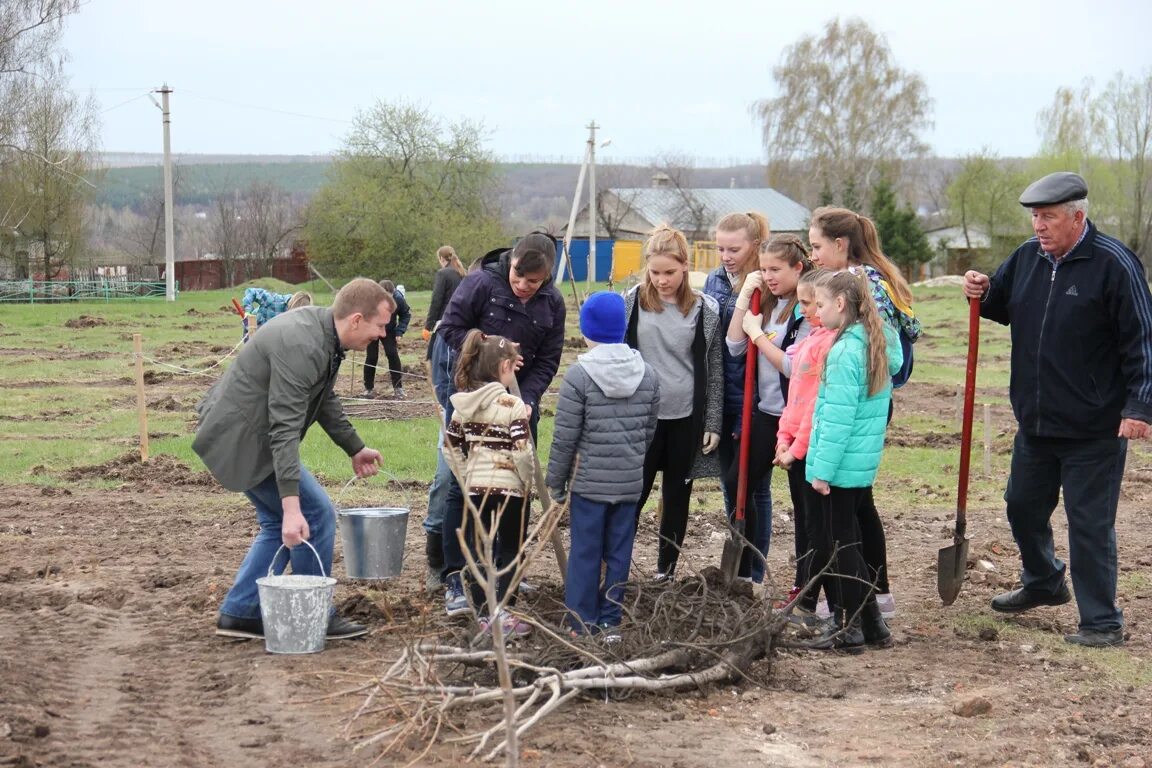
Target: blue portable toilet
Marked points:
578	258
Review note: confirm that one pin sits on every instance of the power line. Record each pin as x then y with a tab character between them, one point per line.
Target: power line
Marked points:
263	109
123	103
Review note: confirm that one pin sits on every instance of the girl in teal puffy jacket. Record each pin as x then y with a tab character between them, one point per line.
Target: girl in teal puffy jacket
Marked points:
848	428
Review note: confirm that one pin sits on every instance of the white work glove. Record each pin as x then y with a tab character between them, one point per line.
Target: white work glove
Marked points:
753	328
752	281
711	442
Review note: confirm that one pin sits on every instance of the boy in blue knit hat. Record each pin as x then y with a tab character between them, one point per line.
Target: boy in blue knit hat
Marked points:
605	419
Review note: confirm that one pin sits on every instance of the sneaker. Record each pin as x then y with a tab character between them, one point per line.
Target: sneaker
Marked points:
455	601
340	628
1097	638
662	578
792	594
232	626
610	634
367	394
887	605
398	394
512	626
527	588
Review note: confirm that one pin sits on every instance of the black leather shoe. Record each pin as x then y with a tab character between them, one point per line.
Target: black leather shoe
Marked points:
1097	638
876	632
1025	599
340	628
231	626
838	637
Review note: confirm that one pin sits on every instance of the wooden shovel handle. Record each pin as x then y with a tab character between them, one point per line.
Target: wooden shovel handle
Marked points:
969	407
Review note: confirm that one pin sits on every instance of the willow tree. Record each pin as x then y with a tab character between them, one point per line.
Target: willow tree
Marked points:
845	113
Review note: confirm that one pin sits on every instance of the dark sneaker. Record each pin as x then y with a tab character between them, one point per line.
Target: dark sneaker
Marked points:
340	628
455	601
1097	638
1025	599
232	626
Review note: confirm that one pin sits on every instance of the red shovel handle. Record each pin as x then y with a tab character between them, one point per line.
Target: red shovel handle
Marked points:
969	406
746	417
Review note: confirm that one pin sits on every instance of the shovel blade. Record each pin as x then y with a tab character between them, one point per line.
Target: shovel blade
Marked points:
951	565
730	558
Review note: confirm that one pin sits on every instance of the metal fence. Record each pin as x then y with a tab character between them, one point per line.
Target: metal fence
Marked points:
46	291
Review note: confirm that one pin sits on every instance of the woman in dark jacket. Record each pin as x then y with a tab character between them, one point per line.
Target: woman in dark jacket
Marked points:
448	277
396	328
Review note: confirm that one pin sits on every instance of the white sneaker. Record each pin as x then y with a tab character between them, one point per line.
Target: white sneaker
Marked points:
887	605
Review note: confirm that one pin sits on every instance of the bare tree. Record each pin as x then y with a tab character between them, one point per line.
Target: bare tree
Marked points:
616	195
690	214
269	217
845	109
227	234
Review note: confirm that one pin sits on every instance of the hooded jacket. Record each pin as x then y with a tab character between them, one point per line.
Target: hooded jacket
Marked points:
848	424
1081	337
487	443
605	420
485	300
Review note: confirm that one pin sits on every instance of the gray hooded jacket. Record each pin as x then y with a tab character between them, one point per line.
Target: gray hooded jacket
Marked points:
605	420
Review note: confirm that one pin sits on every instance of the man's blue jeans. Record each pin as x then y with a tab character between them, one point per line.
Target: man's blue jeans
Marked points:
601	533
1089	472
444	491
243	600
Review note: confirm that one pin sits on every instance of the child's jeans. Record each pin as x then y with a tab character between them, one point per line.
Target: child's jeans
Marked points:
506	515
602	532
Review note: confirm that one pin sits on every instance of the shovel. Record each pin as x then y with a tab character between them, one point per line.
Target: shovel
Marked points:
734	545
953	560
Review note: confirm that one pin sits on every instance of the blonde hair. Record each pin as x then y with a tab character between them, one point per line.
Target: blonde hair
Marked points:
480	358
791	250
670	242
859	307
363	295
300	299
755	227
447	254
863	245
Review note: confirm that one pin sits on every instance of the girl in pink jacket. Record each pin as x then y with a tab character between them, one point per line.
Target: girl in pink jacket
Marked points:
796	427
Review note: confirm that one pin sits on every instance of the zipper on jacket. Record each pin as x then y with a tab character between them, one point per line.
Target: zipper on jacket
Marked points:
1040	343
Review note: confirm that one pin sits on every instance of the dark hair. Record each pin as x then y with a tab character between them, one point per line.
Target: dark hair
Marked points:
536	252
791	250
388	285
863	245
480	359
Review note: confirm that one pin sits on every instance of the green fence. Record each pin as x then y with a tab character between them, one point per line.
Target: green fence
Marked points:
32	291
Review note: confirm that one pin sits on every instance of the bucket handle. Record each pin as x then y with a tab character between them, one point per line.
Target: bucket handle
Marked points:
403	491
272	565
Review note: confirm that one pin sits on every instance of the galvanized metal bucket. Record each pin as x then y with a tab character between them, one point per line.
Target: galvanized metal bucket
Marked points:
295	608
373	539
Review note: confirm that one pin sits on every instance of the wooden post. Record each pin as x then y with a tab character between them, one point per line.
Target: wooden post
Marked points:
352	376
141	406
987	440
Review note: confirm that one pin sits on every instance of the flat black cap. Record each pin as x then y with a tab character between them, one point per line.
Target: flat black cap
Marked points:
1055	188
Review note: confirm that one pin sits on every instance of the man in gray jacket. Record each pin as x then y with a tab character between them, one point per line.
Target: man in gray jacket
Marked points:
252	423
605	420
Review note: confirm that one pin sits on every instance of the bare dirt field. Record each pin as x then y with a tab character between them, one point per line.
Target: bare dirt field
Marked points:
107	656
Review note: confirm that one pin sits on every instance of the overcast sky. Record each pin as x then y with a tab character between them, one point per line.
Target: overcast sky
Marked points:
657	76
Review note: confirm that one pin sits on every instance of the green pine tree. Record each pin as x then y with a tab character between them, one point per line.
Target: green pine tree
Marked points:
901	237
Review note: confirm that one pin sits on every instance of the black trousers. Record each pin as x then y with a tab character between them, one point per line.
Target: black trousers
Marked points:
509	515
673	451
835	532
372	356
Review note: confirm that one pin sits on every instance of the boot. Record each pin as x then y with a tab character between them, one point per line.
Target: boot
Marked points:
838	637
434	554
876	633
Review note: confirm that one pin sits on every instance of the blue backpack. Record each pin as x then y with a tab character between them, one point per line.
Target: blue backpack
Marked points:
901	377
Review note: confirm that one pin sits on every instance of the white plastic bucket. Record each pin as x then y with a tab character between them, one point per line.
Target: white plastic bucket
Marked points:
295	609
373	539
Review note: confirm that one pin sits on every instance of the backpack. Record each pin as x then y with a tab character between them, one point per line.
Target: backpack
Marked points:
906	316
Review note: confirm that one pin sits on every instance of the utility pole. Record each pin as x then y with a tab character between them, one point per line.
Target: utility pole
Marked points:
169	226
591	203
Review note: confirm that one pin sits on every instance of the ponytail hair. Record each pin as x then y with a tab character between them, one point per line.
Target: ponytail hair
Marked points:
863	246
755	227
670	242
480	358
792	251
447	254
859	307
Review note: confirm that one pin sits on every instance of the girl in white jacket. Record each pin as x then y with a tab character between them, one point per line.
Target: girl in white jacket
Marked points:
488	445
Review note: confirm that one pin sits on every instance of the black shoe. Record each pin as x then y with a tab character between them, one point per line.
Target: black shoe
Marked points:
1097	638
876	632
340	628
1025	599
837	637
231	626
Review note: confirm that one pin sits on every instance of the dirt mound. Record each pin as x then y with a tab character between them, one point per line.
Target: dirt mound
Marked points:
155	377
85	321
166	403
162	469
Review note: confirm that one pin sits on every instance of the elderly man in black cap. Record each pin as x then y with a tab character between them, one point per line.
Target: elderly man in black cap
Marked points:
1081	387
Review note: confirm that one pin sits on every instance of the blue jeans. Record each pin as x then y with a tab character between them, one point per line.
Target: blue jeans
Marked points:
1089	471
243	600
601	533
444	492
